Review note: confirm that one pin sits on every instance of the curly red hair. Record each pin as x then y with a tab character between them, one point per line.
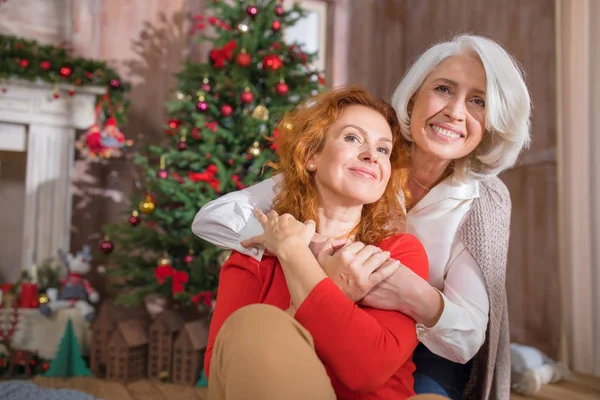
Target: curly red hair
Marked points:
302	134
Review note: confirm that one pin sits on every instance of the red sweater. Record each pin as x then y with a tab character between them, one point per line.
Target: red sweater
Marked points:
367	352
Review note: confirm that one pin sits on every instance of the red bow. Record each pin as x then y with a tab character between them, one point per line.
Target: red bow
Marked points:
205	297
207	176
225	53
178	278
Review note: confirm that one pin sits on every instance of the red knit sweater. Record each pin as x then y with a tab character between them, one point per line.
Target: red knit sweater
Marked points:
367	352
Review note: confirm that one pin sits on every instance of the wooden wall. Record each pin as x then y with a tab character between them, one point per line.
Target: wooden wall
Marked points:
386	35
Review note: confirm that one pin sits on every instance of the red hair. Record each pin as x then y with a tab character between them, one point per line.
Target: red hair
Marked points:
302	134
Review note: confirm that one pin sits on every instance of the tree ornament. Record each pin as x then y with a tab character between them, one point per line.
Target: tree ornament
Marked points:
65	71
115	83
226	110
201	105
43	298
243	59
106	246
164	261
134	218
45	65
252	11
282	88
182	145
189	257
205	85
261	112
162	172
24	63
272	62
147	206
242	28
247	97
276	26
279	11
254	150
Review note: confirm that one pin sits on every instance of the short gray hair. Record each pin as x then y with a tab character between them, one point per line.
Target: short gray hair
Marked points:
508	105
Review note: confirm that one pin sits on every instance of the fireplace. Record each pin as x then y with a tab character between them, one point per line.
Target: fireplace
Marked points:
35	124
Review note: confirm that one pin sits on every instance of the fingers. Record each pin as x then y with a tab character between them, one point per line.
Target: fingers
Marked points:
311	224
253	241
361	257
386	269
375	260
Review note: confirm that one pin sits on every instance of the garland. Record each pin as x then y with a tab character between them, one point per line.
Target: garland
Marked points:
28	60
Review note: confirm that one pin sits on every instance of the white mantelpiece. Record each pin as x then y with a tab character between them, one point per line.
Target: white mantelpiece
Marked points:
32	120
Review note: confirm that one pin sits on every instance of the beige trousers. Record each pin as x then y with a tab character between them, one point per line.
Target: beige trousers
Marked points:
262	353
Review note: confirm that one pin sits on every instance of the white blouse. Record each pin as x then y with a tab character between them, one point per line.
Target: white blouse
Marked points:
435	220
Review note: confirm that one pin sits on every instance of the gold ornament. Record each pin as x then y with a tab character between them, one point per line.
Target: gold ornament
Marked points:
147	206
261	112
164	261
180	95
164	376
43	298
254	150
242	28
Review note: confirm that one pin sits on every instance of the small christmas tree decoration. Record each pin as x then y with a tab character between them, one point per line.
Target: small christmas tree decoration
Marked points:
279	11
24	63
65	71
201	105
147	206
205	85
68	360
243	59
189	257
45	65
272	62
242	28
182	145
226	110
106	245
164	261
252	11
115	83
134	218
246	97
282	88
162	173
202	382
276	26
254	150
261	113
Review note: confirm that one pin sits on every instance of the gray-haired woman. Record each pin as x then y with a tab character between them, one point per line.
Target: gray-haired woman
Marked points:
465	108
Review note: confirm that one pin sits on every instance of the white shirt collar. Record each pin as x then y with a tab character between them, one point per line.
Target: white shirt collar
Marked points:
449	188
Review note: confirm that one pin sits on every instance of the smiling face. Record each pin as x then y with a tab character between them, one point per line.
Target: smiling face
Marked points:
354	165
448	112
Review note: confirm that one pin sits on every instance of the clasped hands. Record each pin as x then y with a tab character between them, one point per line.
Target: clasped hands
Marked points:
366	274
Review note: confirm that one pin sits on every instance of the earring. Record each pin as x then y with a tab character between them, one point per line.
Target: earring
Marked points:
310	167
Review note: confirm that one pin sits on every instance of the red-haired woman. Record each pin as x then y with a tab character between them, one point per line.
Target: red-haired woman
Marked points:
281	328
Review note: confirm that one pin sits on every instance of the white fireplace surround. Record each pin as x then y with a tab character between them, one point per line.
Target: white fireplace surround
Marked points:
33	121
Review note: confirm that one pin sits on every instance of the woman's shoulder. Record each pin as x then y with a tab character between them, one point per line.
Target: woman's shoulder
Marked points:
243	261
494	195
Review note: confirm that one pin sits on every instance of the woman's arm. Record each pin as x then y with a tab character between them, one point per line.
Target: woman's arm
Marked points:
239	286
228	219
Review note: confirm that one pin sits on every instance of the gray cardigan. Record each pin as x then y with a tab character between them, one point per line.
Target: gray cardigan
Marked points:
485	232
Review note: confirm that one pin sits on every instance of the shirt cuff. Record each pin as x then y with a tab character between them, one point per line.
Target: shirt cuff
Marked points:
449	320
252	228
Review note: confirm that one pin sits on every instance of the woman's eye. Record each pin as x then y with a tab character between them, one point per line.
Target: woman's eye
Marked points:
384	150
351	138
479	102
443	89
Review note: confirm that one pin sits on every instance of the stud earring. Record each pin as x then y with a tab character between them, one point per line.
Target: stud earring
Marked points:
311	167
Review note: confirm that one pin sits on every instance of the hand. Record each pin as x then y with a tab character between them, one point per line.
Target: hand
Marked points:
356	268
281	232
319	241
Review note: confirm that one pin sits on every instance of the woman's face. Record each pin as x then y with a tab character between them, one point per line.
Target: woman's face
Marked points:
354	168
448	112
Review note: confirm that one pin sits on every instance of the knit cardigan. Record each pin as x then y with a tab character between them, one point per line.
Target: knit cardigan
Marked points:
485	232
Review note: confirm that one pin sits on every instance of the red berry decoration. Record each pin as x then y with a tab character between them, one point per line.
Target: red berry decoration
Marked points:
45	65
162	174
182	145
276	26
202	106
243	59
282	88
24	63
65	72
115	83
247	97
106	246
134	219
252	11
272	62
226	110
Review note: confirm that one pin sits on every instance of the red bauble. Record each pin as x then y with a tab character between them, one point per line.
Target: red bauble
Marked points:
181	145
202	106
115	83
134	219
71	92
65	72
282	88
45	65
106	246
24	63
205	87
252	11
189	258
272	62
276	26
243	59
162	174
247	97
226	110
56	95
279	11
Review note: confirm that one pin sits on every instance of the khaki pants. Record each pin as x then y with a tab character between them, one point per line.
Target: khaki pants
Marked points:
262	353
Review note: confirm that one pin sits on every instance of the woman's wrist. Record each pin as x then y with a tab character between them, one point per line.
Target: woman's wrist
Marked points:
427	306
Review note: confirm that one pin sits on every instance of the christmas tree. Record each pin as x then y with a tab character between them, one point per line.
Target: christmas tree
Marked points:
68	361
220	129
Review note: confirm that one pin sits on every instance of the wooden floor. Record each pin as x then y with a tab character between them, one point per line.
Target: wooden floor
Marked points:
578	388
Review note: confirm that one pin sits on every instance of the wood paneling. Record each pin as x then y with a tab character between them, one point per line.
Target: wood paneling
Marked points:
385	36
